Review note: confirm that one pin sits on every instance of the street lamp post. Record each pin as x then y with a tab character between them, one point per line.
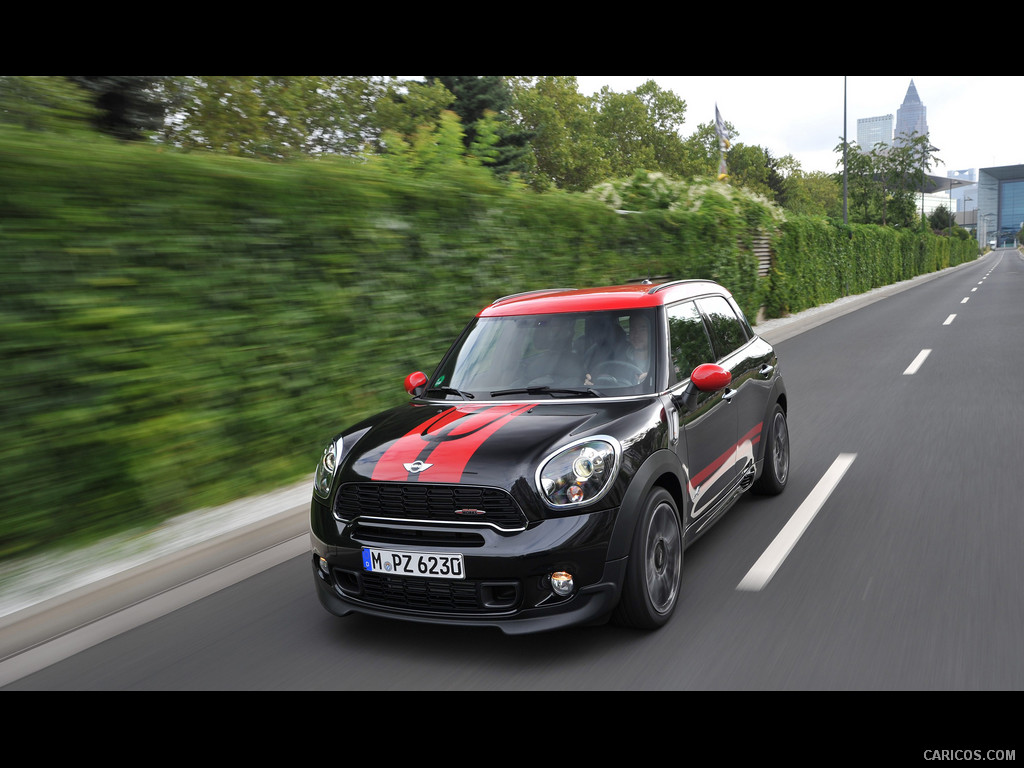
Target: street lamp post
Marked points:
845	221
984	232
950	190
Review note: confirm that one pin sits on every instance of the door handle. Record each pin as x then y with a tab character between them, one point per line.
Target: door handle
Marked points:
766	370
728	395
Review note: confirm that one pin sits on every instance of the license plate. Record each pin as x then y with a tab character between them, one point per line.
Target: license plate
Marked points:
425	564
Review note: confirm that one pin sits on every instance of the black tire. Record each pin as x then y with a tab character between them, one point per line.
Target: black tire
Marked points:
775	471
655	567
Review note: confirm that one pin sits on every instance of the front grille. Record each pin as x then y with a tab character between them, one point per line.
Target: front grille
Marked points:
432	503
441	595
405	535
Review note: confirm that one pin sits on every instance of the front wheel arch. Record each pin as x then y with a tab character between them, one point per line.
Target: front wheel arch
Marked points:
654	570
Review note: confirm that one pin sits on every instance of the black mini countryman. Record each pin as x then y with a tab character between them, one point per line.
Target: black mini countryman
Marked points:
568	448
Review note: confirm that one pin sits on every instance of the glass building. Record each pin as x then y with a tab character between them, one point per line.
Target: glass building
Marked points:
911	117
874	130
1000	205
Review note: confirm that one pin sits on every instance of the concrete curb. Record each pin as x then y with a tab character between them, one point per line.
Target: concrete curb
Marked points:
39	607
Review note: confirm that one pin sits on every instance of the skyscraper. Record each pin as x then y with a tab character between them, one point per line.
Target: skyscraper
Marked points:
911	117
874	130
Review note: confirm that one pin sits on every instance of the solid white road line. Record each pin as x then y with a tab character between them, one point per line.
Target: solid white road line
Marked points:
921	357
766	566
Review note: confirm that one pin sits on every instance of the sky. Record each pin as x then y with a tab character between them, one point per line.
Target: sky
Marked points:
974	121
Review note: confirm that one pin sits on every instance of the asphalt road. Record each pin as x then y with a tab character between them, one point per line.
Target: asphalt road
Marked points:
892	562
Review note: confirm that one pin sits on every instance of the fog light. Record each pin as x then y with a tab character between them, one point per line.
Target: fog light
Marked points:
323	566
561	583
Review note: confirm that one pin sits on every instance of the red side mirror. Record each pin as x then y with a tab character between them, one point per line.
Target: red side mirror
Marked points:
710	377
415	382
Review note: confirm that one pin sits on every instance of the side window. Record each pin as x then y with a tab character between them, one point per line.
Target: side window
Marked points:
743	318
727	332
688	340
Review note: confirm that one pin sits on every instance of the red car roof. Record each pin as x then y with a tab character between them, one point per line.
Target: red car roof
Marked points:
588	299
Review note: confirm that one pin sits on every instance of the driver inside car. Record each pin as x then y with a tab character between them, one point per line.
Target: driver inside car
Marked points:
634	355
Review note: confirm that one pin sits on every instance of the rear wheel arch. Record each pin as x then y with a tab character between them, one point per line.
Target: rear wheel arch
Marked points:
775	465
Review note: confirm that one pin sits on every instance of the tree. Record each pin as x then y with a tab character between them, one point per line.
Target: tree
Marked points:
903	168
407	107
429	149
640	129
273	117
863	190
701	152
127	107
342	119
566	152
748	167
884	182
44	103
482	103
815	194
940	219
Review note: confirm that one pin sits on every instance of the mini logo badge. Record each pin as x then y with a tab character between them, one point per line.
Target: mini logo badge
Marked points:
417	466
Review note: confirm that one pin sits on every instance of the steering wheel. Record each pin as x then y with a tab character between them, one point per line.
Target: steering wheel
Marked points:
618	369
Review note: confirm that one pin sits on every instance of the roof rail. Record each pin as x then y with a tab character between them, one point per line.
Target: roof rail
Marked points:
657	288
649	280
530	293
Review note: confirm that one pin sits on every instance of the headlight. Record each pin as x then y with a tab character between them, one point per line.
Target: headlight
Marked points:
580	473
327	467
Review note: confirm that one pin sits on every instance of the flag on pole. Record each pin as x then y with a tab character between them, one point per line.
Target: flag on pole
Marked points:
723	144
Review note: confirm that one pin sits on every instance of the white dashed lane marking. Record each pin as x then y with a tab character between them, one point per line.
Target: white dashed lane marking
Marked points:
921	357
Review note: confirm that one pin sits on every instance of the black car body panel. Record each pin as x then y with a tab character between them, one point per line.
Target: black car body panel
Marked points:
498	487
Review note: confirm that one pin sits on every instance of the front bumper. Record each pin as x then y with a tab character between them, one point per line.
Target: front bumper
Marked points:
507	581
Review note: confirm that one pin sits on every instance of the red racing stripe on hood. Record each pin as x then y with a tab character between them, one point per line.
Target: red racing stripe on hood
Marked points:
451	457
446	441
406	448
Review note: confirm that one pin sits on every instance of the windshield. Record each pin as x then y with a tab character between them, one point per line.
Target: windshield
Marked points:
606	353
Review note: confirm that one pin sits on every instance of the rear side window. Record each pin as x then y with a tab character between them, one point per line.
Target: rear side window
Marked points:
727	331
688	340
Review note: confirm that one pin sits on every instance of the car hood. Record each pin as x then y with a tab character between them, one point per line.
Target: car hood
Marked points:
494	443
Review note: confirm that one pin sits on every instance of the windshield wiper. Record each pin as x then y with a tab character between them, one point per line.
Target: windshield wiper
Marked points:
451	391
588	391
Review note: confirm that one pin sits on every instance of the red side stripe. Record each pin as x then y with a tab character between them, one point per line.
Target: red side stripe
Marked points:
754	436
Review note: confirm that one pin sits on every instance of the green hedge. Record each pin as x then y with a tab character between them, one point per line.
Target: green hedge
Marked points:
180	330
816	262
